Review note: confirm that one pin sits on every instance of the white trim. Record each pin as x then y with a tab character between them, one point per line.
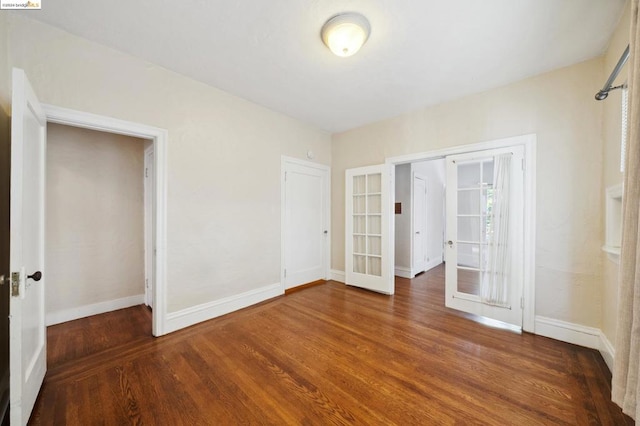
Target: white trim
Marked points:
433	263
148	181
338	276
284	161
159	137
613	222
65	315
529	143
206	311
402	272
607	351
568	332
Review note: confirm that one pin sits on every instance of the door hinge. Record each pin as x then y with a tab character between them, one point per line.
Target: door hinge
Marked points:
522	303
285	176
146	172
146	282
523	167
285	273
15	284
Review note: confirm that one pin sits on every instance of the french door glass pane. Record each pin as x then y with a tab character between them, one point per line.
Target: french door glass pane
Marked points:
374	183
487	172
359	224
375	266
359	244
469	229
374	204
359	184
359	204
375	246
375	225
359	264
469	175
469	201
469	255
469	282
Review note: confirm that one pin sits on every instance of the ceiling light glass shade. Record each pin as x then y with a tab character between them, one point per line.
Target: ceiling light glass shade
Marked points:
345	34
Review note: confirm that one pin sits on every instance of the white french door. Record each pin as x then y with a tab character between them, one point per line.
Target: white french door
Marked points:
367	229
470	198
27	332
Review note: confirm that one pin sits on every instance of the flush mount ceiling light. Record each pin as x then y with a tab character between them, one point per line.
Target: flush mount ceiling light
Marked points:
345	33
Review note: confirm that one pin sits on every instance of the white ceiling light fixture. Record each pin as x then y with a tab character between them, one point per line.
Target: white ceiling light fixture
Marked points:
345	33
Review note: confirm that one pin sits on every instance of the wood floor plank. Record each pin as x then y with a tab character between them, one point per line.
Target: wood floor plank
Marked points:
328	354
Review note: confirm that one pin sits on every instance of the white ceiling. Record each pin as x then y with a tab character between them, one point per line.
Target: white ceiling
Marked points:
420	52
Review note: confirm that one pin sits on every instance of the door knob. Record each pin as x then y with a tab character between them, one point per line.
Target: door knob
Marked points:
450	243
417	232
36	276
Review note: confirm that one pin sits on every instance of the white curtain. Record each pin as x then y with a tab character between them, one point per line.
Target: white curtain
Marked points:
625	389
494	289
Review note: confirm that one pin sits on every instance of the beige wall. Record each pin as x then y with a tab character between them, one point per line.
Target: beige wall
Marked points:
95	217
611	132
223	218
558	107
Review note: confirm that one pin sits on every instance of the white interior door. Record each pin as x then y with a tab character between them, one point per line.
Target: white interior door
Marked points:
27	341
149	258
367	229
419	224
306	223
469	199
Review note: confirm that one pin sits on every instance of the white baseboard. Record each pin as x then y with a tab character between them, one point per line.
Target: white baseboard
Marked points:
338	276
58	317
206	311
433	263
403	272
577	334
607	351
568	332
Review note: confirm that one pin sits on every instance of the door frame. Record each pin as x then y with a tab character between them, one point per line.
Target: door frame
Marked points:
159	137
529	198
326	170
414	176
149	181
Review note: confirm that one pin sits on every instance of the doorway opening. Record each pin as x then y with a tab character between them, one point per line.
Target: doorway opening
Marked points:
419	216
154	198
98	249
465	228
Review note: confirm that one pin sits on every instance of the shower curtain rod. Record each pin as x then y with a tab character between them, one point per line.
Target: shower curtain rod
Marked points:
604	92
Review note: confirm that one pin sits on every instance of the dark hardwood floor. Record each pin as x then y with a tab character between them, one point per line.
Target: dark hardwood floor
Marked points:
330	354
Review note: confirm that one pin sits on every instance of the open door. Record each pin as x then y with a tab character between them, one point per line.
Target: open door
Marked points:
27	341
367	229
476	251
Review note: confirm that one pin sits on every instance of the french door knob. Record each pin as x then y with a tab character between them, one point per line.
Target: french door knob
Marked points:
450	243
36	276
